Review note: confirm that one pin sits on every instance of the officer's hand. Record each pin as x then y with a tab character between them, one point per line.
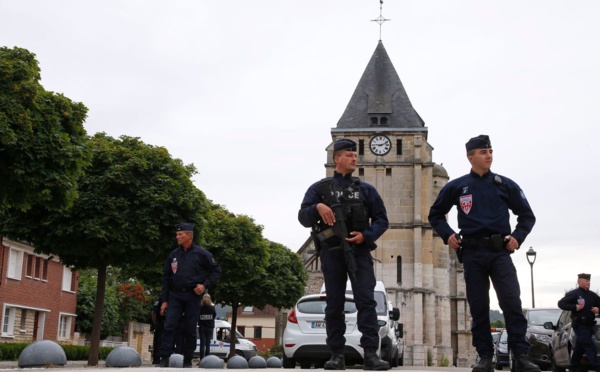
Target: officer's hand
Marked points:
512	243
326	213
357	237
453	242
578	307
163	307
199	289
595	310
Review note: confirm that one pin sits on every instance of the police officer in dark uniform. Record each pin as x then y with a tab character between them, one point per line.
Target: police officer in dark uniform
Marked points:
484	245
583	305
188	272
364	203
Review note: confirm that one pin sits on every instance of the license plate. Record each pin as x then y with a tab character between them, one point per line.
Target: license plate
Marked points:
318	324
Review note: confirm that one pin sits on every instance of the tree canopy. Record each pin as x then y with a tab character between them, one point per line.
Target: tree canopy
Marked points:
42	140
285	278
129	200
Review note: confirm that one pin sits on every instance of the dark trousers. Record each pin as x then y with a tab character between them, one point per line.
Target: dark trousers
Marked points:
180	337
158	330
482	264
205	338
584	344
335	274
186	304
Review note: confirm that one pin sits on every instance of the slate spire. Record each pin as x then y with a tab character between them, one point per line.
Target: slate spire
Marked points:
380	100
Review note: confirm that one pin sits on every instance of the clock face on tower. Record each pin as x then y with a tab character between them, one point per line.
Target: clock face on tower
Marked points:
380	145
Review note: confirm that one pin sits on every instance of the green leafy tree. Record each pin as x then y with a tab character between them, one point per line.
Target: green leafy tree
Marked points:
42	139
285	277
498	323
284	281
238	246
129	201
134	303
112	323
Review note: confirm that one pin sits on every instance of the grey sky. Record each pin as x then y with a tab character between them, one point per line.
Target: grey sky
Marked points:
249	90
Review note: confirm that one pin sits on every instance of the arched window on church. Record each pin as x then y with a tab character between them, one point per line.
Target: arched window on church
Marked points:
374	120
399	269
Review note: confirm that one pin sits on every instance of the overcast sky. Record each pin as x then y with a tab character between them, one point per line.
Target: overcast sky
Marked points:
248	91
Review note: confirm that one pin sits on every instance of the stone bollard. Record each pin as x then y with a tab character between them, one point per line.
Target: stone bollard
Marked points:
42	353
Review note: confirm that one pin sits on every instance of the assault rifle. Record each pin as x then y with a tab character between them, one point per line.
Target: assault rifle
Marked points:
340	229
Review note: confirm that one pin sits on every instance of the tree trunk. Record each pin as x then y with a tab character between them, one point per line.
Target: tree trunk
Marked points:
97	325
278	327
233	337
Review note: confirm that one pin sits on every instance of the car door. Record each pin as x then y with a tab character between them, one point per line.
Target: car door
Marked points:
561	339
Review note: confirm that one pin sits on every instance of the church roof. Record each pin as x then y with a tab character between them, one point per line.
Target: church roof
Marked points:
380	99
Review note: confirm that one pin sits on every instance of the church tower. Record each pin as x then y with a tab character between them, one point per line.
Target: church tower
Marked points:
420	273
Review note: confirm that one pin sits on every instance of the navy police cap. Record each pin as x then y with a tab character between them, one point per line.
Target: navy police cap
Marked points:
344	144
184	226
482	141
584	276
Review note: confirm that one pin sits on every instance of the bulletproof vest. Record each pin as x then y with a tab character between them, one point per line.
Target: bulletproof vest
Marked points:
353	200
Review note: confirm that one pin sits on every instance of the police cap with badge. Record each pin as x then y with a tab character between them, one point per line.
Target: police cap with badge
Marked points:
482	141
184	226
344	144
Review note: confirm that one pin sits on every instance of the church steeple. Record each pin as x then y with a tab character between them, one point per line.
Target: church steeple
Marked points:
380	100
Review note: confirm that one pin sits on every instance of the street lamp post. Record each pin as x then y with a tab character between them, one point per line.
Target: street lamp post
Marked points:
531	255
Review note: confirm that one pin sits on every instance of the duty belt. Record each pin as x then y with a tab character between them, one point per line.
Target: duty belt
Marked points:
181	289
494	242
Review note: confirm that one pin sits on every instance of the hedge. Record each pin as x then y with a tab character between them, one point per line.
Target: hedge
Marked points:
11	351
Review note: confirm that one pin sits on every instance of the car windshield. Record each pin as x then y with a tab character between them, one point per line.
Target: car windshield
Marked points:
539	317
380	299
495	336
381	304
317	306
504	337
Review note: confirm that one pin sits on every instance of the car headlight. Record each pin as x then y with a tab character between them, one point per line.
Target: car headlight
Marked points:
541	338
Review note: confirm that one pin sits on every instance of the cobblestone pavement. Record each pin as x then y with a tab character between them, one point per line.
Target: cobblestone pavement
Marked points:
82	366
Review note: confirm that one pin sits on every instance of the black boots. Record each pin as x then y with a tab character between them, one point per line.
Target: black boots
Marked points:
337	362
373	363
522	364
484	365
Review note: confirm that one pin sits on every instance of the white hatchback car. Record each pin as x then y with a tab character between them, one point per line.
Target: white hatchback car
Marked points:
304	335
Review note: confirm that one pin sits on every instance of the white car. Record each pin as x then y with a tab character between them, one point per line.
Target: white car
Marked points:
220	346
390	332
304	335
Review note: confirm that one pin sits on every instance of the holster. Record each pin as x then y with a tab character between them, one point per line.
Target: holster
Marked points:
496	242
316	241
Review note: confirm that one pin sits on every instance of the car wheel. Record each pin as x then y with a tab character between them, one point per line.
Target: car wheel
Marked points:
288	362
305	364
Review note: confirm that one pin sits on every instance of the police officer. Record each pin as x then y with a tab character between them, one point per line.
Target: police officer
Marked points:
583	305
189	270
364	203
482	199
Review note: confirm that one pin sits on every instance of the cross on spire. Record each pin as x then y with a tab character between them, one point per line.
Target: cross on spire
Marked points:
381	18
